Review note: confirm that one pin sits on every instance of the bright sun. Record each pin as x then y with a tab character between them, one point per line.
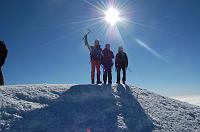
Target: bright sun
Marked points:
112	16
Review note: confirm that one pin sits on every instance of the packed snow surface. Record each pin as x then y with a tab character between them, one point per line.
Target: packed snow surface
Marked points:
92	108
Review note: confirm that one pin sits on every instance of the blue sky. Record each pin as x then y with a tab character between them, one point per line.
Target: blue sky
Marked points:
161	39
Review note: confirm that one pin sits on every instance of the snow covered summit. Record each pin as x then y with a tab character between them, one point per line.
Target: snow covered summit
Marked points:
92	108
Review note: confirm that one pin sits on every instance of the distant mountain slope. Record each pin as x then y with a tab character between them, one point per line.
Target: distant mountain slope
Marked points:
94	108
192	99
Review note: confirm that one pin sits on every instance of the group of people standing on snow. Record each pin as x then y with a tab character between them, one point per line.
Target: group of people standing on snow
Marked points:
105	57
98	57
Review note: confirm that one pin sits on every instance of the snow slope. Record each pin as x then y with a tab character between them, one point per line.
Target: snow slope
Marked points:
92	108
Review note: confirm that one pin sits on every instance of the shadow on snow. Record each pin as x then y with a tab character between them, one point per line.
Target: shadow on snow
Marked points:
98	108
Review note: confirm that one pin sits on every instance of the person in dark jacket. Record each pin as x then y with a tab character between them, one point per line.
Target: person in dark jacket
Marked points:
96	58
3	55
121	63
107	64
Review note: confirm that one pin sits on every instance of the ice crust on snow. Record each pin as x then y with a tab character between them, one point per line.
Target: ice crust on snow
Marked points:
99	108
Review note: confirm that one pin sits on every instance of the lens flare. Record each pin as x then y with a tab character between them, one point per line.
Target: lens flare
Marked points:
112	16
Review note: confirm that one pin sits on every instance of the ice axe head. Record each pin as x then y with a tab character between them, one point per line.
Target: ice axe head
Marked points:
88	31
85	35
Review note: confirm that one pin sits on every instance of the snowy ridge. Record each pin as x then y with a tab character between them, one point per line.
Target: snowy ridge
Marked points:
168	114
95	108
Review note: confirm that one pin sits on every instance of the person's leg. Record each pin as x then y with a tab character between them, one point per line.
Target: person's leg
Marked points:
118	75
124	75
1	77
92	71
98	72
110	75
105	75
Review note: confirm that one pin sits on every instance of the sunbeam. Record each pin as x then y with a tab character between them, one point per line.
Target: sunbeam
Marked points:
69	34
141	43
87	20
152	28
142	25
111	19
93	5
112	23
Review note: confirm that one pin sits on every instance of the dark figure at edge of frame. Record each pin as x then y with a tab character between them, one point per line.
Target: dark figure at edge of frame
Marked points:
3	55
95	58
107	64
121	62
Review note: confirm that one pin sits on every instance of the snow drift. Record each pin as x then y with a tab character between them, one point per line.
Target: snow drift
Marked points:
92	108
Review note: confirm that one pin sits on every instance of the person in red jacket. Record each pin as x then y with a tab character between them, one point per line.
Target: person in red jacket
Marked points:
107	64
121	63
3	55
95	58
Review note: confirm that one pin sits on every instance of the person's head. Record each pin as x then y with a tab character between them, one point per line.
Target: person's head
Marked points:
107	46
96	42
1	42
120	49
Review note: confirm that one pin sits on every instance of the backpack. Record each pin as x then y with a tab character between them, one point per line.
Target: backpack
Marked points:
3	53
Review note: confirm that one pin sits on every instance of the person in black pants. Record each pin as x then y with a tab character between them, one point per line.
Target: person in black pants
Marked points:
121	62
107	64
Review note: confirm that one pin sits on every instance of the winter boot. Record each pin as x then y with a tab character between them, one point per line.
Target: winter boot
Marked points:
98	79
99	82
118	82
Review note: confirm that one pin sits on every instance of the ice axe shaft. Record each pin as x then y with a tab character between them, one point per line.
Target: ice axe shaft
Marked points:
85	35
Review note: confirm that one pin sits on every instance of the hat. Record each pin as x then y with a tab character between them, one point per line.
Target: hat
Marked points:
107	45
120	48
96	40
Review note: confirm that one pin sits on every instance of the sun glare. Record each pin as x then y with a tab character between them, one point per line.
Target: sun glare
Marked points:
112	16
